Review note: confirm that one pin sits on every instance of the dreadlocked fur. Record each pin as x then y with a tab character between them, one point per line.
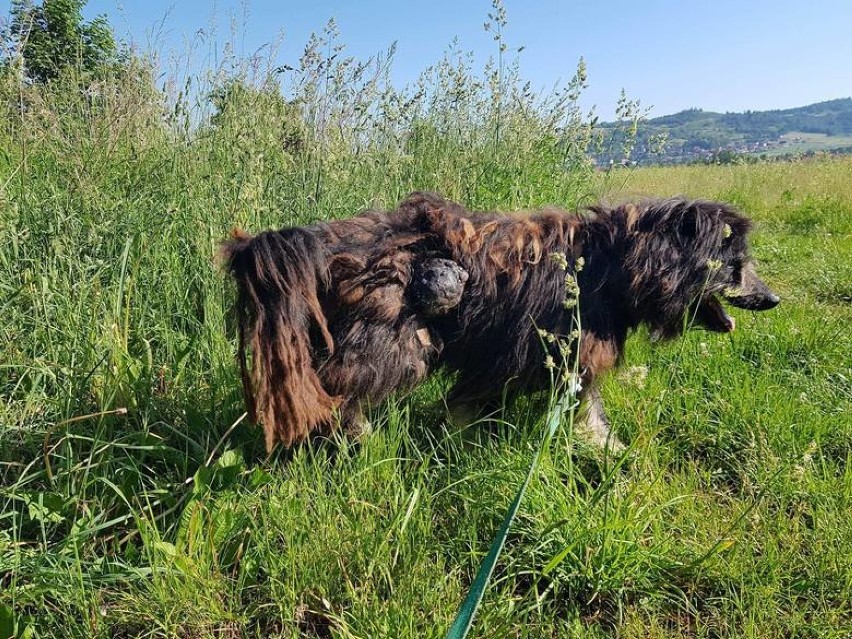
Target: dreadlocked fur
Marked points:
339	315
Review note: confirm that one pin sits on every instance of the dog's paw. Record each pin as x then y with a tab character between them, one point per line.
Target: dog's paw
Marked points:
358	429
602	439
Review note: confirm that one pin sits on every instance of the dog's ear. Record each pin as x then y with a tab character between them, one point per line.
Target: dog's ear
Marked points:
710	231
687	226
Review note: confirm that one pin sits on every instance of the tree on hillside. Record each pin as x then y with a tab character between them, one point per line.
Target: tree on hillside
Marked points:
52	36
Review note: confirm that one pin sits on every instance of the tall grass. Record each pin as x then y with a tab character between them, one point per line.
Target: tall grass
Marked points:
136	502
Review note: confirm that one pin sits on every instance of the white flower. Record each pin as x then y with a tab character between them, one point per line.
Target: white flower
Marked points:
635	375
573	384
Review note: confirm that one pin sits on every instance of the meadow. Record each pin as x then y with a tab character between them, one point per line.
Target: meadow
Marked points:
135	501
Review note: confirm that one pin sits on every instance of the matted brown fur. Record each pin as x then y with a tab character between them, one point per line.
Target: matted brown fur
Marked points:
326	313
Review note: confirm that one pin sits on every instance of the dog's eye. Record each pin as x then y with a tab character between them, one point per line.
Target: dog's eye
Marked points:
737	271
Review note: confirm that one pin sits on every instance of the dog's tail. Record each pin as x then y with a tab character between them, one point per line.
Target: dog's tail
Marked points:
279	275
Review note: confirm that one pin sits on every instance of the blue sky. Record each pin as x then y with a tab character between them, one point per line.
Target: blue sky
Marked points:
722	55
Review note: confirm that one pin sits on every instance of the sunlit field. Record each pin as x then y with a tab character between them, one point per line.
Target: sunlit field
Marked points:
135	501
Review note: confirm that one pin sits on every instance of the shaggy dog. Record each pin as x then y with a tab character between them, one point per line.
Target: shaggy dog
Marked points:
338	315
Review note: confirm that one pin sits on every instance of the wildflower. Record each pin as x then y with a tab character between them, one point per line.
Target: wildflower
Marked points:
547	336
635	375
549	364
726	231
579	264
714	265
807	458
560	260
571	286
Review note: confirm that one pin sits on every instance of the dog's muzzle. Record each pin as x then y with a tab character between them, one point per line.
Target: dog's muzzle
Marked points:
753	294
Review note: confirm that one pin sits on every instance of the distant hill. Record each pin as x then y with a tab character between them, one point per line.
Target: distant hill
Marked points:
695	135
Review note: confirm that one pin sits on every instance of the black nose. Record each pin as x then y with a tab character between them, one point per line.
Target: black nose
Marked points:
772	300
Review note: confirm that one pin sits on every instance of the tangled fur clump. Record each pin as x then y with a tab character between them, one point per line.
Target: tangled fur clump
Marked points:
338	315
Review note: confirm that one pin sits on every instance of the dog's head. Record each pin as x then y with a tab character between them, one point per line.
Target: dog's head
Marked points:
683	258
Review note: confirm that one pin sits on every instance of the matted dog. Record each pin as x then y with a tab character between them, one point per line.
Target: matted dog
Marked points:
338	315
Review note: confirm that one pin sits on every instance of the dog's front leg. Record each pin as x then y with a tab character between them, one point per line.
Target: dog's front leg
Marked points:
594	425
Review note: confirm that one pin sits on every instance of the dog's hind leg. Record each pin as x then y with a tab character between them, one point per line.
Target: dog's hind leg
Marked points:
355	423
594	425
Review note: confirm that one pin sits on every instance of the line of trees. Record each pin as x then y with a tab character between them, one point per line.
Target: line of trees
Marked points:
50	37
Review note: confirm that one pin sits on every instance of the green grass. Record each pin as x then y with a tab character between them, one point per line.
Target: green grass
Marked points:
135	502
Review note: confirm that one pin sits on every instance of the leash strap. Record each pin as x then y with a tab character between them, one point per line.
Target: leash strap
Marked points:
464	618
